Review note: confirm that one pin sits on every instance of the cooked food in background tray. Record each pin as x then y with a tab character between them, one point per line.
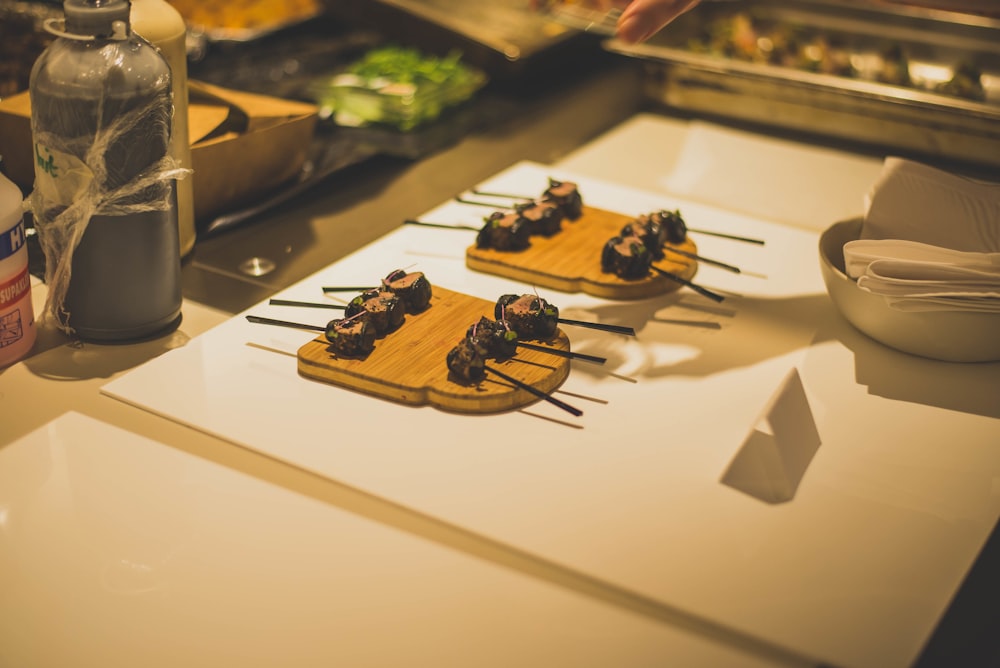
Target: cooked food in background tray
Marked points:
774	40
240	20
901	78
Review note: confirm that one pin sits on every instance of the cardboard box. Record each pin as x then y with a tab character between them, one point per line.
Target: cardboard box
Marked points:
242	144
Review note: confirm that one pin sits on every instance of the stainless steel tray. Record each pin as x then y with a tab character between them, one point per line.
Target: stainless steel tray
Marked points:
913	118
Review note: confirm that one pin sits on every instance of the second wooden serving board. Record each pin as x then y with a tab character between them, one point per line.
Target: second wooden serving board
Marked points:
570	260
409	365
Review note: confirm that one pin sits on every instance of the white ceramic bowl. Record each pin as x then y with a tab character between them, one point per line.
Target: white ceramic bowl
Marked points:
953	336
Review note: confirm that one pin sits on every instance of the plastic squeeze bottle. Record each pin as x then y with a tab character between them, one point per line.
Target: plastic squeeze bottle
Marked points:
17	318
104	201
163	27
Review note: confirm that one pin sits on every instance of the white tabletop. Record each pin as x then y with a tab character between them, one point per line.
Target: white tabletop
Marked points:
122	551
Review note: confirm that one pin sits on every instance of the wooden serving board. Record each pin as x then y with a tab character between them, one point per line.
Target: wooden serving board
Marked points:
570	261
409	365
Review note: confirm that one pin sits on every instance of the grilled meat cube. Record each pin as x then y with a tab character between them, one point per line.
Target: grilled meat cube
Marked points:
467	361
566	195
543	218
496	336
413	289
529	315
503	231
626	257
385	310
351	337
650	231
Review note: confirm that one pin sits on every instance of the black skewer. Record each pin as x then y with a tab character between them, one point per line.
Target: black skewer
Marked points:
701	258
338	289
473	202
564	353
723	235
283	323
759	242
617	329
538	393
683	281
500	195
289	302
457	226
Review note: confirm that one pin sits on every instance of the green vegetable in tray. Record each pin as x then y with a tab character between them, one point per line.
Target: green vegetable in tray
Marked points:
409	65
398	87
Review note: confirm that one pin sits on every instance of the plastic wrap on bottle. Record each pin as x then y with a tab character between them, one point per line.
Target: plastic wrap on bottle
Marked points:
104	200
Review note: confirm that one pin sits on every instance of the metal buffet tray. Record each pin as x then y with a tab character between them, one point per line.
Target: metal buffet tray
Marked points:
907	118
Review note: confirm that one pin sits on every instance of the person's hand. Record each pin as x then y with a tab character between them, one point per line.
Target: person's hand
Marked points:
643	18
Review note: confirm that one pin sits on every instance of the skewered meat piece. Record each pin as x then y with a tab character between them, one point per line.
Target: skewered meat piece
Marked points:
650	231
467	360
626	257
385	310
673	224
495	336
529	315
544	217
503	231
413	289
351	337
566	196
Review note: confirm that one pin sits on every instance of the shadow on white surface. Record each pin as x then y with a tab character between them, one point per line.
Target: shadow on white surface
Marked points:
773	459
57	357
769	327
972	388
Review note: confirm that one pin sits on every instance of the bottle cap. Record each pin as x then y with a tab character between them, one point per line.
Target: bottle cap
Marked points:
96	17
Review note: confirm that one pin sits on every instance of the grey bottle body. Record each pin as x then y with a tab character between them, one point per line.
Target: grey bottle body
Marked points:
125	282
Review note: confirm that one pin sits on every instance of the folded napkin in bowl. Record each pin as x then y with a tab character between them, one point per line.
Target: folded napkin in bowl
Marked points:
917	276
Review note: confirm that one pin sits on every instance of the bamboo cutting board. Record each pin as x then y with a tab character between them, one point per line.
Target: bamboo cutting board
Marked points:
570	260
408	365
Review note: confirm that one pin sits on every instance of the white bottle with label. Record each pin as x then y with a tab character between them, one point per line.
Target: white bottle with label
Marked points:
17	318
161	25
